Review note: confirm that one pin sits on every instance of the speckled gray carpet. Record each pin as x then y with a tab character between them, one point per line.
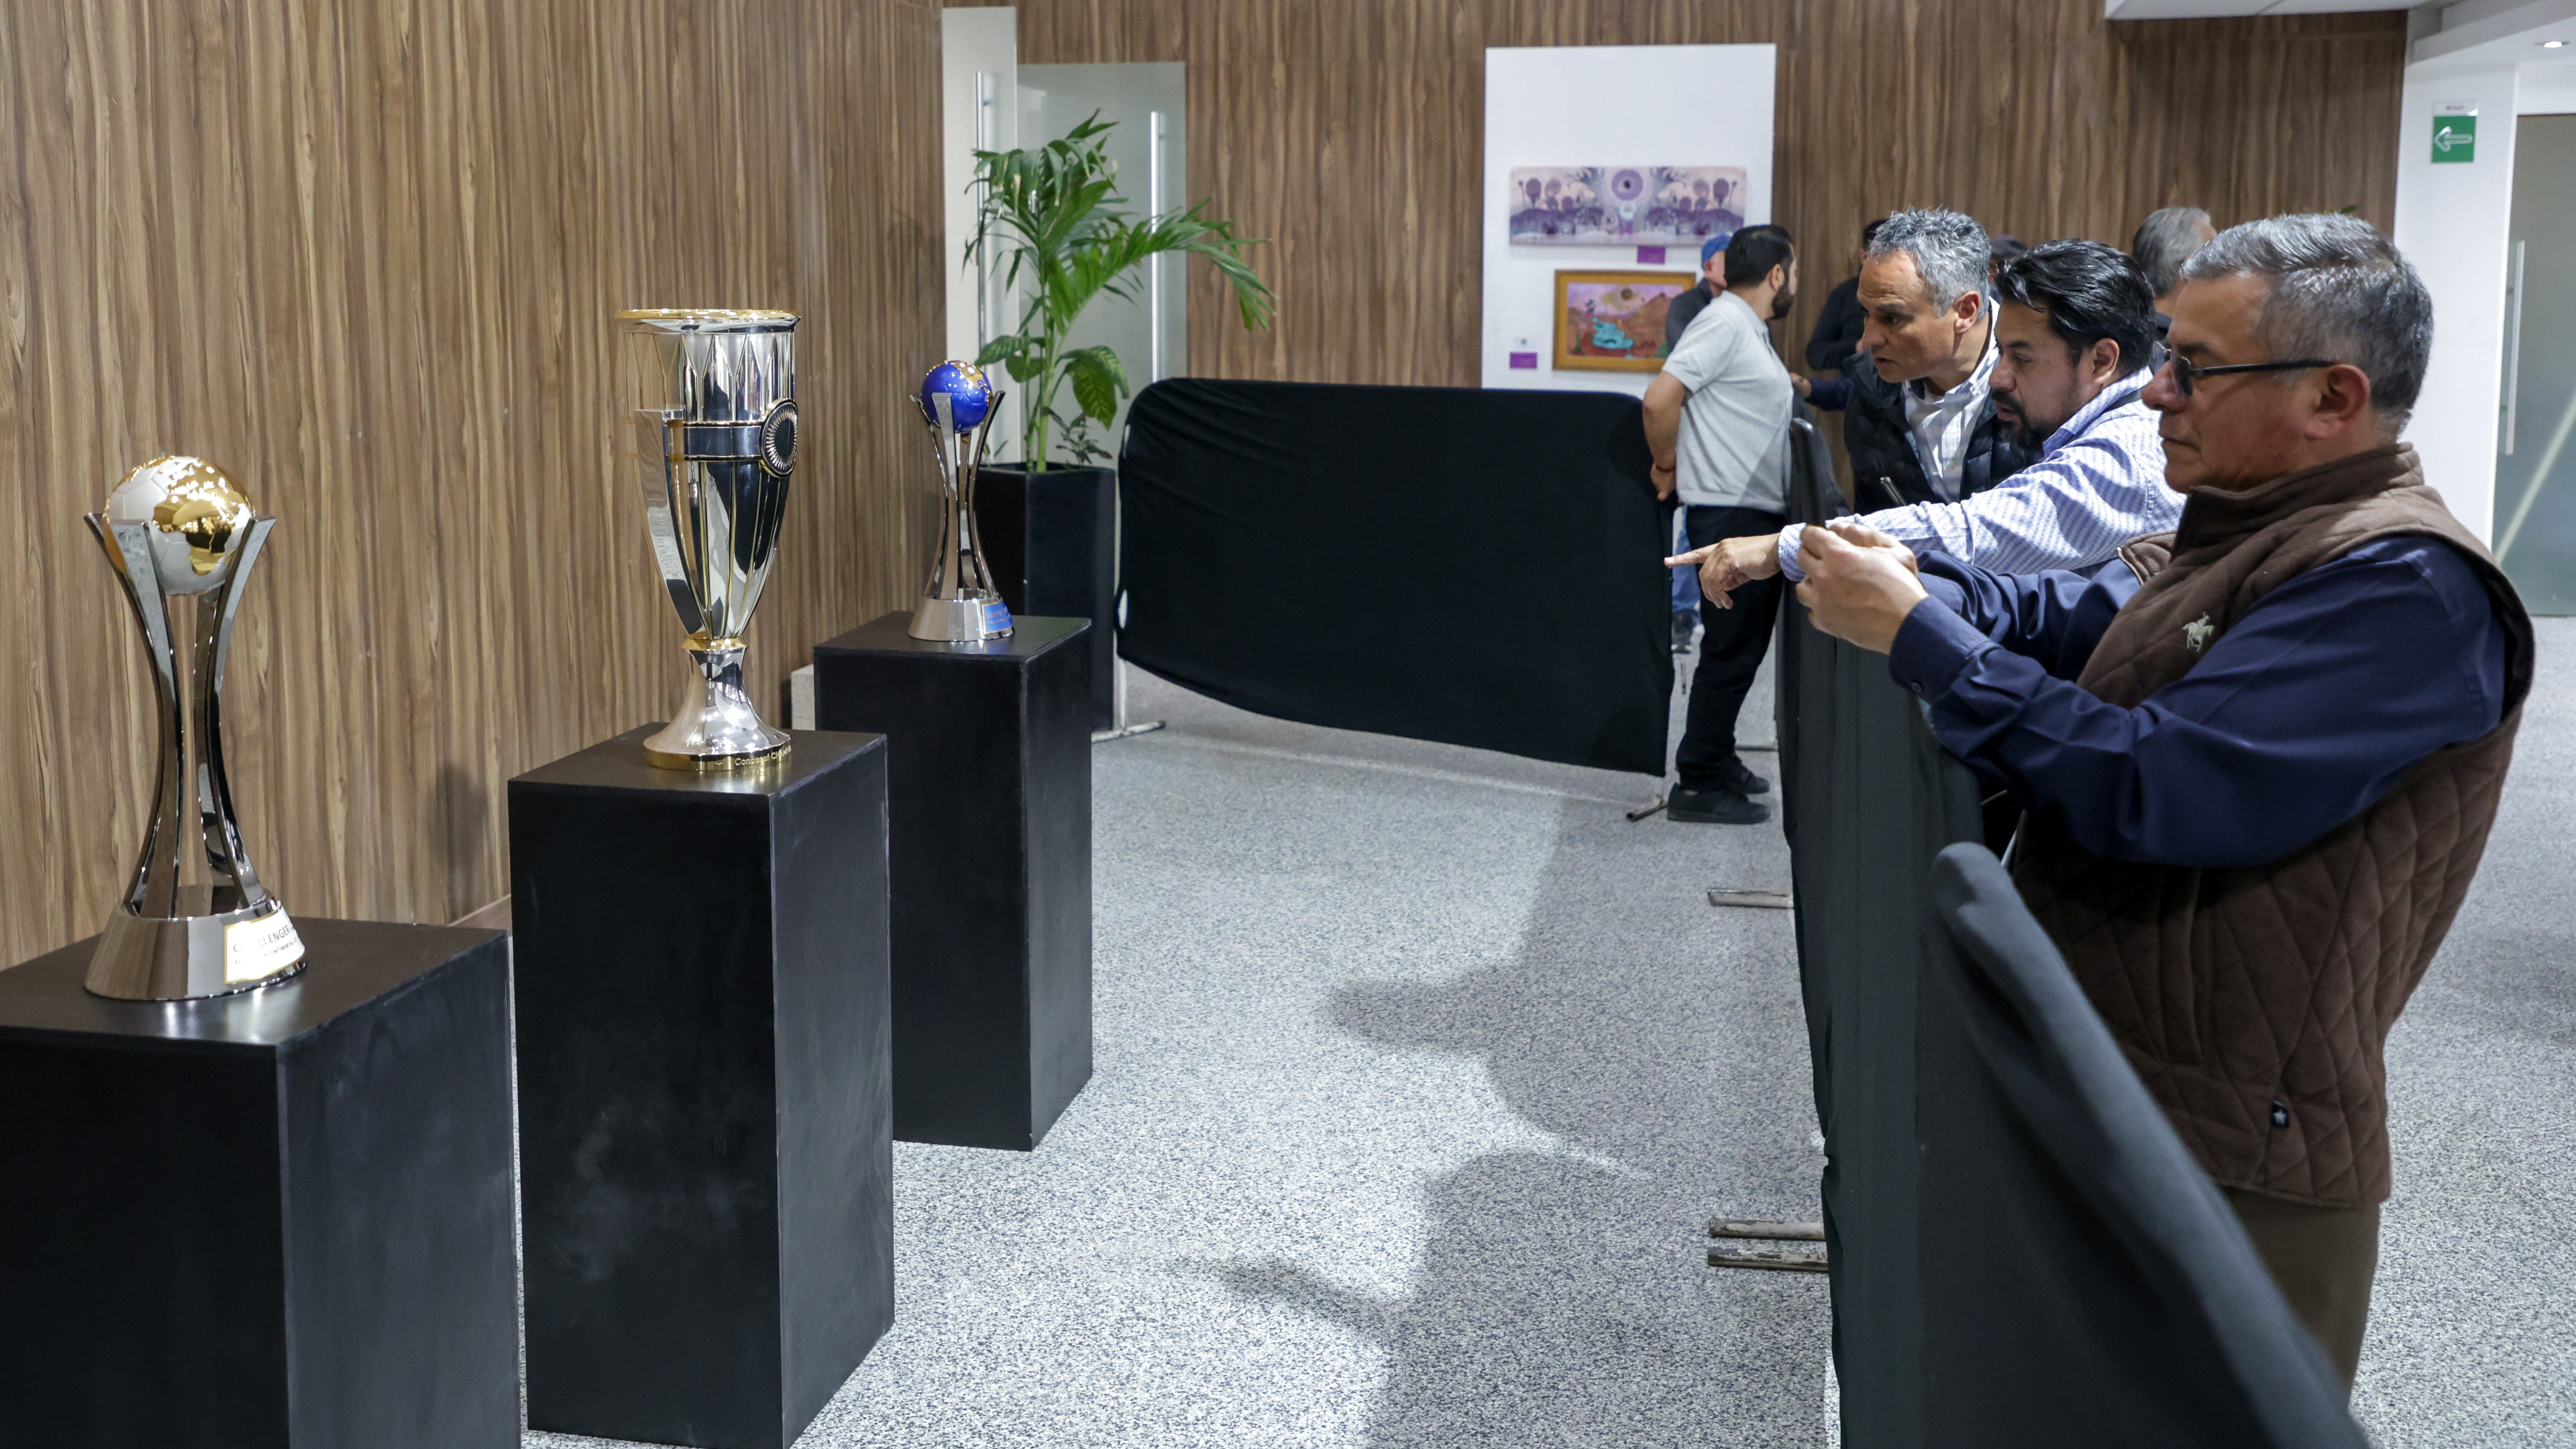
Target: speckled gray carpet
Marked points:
1419	1070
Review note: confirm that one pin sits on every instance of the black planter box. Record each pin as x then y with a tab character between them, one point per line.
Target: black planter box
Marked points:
274	1219
702	1089
989	776
1052	540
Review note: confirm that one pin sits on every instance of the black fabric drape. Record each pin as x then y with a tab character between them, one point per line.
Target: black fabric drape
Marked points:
1868	797
2083	1281
1474	567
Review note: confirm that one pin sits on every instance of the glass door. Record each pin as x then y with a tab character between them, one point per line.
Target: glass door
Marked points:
2535	498
1148	102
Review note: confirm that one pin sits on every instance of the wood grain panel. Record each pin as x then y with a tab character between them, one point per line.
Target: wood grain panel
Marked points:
1349	133
364	256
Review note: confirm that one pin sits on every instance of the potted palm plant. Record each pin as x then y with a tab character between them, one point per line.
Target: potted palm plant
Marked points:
1052	219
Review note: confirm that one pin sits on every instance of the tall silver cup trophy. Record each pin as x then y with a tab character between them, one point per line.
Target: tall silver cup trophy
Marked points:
713	400
960	606
195	921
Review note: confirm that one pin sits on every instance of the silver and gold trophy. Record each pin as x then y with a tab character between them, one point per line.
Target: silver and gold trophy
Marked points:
960	606
195	921
713	397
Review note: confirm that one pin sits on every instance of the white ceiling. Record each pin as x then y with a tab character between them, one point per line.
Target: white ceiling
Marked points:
2206	9
2490	32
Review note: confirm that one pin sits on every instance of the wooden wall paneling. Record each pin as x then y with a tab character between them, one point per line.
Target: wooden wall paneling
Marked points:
1348	132
2249	118
364	257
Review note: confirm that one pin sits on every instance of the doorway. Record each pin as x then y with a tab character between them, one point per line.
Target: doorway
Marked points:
1147	104
2535	529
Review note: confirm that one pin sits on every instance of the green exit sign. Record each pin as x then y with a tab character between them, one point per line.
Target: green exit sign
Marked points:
2455	134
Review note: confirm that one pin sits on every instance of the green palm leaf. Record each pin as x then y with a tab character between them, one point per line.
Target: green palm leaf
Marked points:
1053	217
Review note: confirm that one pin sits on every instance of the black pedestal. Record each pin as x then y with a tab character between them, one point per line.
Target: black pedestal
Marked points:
990	782
702	1089
274	1219
1052	541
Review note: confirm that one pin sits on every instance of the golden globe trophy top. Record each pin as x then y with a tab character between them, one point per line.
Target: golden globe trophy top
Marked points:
712	395
195	921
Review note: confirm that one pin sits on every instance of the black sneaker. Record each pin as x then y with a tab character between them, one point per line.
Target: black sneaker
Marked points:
1743	781
1683	623
1718	806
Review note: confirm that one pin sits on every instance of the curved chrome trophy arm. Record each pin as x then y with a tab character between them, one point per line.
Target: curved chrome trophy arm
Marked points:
154	890
236	883
663	507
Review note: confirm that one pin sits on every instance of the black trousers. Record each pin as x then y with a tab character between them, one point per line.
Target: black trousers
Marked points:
1730	649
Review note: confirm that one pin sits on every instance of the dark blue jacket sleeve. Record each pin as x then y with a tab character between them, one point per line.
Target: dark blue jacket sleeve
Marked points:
2302	714
2054	617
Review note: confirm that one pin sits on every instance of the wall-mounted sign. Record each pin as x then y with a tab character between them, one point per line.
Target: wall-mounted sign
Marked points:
2455	132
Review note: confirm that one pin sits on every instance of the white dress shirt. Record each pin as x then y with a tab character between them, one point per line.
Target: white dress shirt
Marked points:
1943	423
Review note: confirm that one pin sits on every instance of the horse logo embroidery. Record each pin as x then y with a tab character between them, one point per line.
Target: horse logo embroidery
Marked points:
2196	633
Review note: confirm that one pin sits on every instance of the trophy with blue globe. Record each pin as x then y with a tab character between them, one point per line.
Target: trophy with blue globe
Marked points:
195	920
713	400
960	606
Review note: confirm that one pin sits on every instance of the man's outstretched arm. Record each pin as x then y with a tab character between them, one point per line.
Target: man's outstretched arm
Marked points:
2306	710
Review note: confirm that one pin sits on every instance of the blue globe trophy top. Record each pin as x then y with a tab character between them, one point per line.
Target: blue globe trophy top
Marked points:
970	394
960	604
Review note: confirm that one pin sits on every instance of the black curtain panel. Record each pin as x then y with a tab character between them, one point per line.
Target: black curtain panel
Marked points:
1475	567
2083	1281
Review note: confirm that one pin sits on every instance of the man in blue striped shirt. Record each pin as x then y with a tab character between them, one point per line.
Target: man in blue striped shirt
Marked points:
2076	337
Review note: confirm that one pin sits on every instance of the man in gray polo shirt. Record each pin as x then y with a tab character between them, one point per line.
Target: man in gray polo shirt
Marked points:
1717	418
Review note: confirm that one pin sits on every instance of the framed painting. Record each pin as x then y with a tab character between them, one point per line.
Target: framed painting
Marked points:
1614	321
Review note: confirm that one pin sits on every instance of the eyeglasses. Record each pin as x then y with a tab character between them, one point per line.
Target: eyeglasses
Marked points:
2184	372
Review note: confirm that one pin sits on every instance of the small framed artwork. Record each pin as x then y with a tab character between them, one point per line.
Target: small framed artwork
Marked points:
1614	321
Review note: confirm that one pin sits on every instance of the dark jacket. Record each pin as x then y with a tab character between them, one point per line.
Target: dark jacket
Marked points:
2254	1001
1887	472
1677	318
1831	347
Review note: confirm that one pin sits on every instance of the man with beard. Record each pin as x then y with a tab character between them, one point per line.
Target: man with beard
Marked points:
1717	418
2074	336
2259	755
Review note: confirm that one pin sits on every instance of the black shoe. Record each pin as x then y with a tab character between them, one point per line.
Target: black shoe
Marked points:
1718	806
1741	780
1683	624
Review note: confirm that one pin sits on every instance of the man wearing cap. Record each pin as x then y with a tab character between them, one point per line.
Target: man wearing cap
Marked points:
1712	280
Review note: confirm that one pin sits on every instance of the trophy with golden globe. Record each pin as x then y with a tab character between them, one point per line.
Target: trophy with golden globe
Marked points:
960	605
195	920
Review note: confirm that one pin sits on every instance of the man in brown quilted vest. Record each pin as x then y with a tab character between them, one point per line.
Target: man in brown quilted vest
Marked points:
2258	756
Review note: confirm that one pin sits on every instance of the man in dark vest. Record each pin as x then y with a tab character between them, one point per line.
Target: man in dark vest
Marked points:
1921	425
2258	756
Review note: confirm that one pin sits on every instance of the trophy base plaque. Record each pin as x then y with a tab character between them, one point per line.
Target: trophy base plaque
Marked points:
717	729
971	619
202	953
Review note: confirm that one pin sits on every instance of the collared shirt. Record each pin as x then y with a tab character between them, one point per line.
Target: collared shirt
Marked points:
2307	710
1944	422
1733	447
2099	482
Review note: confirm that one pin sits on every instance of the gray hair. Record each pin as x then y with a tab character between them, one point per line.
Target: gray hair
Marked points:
2338	290
2166	240
1948	249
